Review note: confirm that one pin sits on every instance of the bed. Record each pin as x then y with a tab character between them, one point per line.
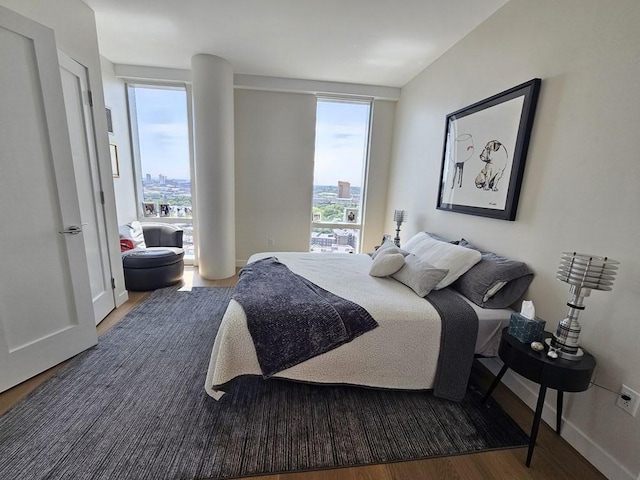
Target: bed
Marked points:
402	352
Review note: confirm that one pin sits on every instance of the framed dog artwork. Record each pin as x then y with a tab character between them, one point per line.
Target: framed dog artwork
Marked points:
485	147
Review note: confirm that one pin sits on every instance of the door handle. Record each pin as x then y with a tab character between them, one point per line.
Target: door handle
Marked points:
72	230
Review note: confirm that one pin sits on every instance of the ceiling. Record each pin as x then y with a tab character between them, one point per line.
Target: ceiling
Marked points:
371	42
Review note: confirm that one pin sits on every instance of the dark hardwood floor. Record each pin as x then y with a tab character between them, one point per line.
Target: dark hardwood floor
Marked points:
553	457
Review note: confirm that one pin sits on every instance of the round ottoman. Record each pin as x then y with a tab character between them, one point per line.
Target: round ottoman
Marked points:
152	267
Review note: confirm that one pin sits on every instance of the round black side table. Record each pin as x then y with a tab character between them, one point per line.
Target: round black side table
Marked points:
560	374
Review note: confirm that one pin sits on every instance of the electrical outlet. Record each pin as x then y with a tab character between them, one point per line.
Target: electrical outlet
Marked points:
271	241
628	400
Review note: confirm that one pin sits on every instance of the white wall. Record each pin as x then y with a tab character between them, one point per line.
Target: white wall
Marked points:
75	31
124	186
378	175
581	184
275	141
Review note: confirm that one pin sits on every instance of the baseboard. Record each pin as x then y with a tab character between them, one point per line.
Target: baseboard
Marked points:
121	297
590	450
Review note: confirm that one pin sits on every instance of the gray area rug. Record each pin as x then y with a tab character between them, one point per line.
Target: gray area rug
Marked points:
134	407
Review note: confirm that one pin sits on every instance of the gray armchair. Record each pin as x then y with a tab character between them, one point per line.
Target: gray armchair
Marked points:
162	235
158	265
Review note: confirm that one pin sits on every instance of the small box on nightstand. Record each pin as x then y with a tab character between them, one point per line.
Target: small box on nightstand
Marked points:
525	329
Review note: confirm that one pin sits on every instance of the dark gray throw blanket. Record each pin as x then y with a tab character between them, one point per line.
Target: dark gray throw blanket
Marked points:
291	319
457	343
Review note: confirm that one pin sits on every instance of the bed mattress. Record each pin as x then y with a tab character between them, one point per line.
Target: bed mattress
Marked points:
399	354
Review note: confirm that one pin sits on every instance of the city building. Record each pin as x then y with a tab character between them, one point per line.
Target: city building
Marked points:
344	189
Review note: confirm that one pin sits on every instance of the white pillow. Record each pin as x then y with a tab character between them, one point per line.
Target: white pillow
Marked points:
458	260
419	275
386	263
388	243
133	231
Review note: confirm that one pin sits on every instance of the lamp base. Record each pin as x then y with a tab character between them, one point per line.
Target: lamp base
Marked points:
397	239
576	357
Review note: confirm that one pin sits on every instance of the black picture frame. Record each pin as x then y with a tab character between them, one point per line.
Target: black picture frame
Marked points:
109	120
115	164
484	153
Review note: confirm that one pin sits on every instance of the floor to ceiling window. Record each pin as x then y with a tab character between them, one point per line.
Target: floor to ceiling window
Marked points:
342	140
160	135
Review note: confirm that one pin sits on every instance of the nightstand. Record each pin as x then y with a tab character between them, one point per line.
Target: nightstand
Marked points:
559	374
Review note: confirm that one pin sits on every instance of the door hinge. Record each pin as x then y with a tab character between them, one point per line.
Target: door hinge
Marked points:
113	283
90	98
102	197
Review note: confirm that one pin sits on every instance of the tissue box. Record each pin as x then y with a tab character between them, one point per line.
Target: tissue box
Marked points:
525	329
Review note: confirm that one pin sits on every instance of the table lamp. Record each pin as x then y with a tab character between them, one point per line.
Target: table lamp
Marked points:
583	272
399	216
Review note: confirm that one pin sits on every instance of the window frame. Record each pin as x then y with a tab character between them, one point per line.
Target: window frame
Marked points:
137	160
359	225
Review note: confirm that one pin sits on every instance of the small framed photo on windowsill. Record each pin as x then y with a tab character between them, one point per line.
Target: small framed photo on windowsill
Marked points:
149	209
165	210
351	215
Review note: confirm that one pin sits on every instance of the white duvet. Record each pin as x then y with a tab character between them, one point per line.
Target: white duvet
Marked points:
401	353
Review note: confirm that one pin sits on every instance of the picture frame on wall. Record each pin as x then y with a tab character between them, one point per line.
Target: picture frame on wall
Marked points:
115	166
484	153
109	120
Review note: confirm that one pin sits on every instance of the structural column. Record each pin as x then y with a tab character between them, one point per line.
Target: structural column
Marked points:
212	81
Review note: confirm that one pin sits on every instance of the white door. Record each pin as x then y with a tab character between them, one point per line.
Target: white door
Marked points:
45	299
75	86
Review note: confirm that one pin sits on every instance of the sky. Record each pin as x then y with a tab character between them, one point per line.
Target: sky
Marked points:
341	137
341	140
163	132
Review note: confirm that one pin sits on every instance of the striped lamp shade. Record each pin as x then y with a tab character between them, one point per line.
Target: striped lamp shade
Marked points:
400	216
587	271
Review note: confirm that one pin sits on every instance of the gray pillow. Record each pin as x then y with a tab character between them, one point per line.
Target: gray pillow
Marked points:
419	275
435	236
495	281
386	263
